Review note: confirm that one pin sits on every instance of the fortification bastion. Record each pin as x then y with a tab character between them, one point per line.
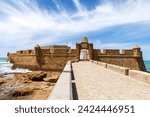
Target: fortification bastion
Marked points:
55	57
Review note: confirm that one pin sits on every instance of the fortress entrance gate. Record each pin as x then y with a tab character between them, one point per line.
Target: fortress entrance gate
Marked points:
84	54
84	50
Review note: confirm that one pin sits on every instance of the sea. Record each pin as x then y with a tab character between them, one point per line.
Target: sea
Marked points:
147	65
5	68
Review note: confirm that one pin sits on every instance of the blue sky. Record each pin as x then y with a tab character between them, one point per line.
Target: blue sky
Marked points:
107	23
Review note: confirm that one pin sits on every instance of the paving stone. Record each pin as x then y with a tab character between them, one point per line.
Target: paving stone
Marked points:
96	82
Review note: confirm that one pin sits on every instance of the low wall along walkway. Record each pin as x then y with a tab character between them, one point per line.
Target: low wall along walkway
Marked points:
62	89
139	75
85	80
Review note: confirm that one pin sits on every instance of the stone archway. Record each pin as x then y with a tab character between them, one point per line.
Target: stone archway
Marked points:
84	48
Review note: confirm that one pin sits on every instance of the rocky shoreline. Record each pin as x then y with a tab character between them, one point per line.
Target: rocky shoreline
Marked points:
35	85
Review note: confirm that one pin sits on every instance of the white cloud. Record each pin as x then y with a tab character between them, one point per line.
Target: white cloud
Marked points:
23	23
112	45
79	7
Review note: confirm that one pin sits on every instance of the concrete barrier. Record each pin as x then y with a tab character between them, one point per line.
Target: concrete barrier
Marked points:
95	62
140	75
119	69
63	87
91	60
102	64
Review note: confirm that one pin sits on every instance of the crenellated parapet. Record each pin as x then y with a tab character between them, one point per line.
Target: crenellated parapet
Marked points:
110	52
135	52
47	50
25	52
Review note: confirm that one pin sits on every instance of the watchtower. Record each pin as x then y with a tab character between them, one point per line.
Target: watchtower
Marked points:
84	50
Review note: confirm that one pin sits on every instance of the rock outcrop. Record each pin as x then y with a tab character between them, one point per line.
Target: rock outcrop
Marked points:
33	85
34	76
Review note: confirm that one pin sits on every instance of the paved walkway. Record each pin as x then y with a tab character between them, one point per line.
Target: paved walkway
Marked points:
96	82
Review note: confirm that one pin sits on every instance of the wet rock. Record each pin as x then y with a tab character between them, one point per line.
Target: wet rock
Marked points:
34	76
38	76
52	79
1	76
25	86
15	89
2	81
22	92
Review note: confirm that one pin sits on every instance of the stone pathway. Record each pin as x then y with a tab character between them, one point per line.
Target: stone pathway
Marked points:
95	82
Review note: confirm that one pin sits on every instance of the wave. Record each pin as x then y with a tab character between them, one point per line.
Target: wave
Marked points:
4	62
5	68
17	70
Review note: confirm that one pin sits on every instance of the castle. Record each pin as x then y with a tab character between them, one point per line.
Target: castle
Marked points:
55	57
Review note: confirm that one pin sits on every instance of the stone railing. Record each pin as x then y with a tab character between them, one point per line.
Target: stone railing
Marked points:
63	87
116	68
139	75
119	69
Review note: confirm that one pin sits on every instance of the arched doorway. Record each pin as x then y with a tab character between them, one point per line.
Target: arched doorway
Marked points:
84	54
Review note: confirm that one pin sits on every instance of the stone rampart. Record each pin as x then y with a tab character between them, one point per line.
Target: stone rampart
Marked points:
26	52
56	56
48	58
115	52
110	52
130	58
127	52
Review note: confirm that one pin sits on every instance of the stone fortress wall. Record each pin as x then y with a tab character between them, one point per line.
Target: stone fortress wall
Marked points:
42	58
55	57
130	58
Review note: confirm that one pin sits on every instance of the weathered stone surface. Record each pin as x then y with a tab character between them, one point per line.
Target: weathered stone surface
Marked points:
24	86
2	80
9	88
55	57
22	91
38	76
52	80
34	76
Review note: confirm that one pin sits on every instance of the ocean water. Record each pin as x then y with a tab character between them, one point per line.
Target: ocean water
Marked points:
147	65
5	67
